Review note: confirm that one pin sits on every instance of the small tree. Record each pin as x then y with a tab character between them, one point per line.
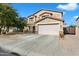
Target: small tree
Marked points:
8	16
21	23
72	26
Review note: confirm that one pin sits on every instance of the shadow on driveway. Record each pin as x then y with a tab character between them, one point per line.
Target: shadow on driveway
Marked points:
6	53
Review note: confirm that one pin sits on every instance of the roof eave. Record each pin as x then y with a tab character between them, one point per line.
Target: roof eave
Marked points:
47	10
49	17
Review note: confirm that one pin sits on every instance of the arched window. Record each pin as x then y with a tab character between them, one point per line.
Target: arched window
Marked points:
46	15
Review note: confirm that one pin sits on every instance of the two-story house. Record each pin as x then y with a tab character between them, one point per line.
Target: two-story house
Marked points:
46	22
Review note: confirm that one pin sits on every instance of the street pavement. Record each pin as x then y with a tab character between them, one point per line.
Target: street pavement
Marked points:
40	45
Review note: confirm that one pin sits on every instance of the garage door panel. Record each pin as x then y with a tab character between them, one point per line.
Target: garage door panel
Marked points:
49	29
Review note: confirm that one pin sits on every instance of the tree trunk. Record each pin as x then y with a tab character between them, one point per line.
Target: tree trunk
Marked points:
4	29
0	31
7	29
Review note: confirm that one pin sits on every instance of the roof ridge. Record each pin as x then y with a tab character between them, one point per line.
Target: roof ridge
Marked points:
46	10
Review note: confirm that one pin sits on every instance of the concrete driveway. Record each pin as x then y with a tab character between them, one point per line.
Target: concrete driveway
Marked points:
41	45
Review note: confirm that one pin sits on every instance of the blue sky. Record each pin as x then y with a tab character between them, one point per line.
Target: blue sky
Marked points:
70	10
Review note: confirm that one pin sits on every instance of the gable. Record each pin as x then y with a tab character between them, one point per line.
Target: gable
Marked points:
56	13
48	21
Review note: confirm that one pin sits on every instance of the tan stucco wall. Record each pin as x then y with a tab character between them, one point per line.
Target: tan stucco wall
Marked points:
77	27
29	20
48	21
77	31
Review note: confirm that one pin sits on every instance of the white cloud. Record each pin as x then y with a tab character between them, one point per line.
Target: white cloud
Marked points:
68	7
75	17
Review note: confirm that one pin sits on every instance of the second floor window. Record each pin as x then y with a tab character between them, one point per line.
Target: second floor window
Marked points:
46	15
31	19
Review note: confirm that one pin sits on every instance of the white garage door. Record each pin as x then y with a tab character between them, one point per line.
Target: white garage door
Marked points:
52	29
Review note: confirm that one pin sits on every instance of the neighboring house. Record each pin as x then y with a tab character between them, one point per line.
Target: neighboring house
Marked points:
11	29
77	26
46	22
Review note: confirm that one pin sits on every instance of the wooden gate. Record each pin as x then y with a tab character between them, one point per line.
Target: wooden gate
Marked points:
70	30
